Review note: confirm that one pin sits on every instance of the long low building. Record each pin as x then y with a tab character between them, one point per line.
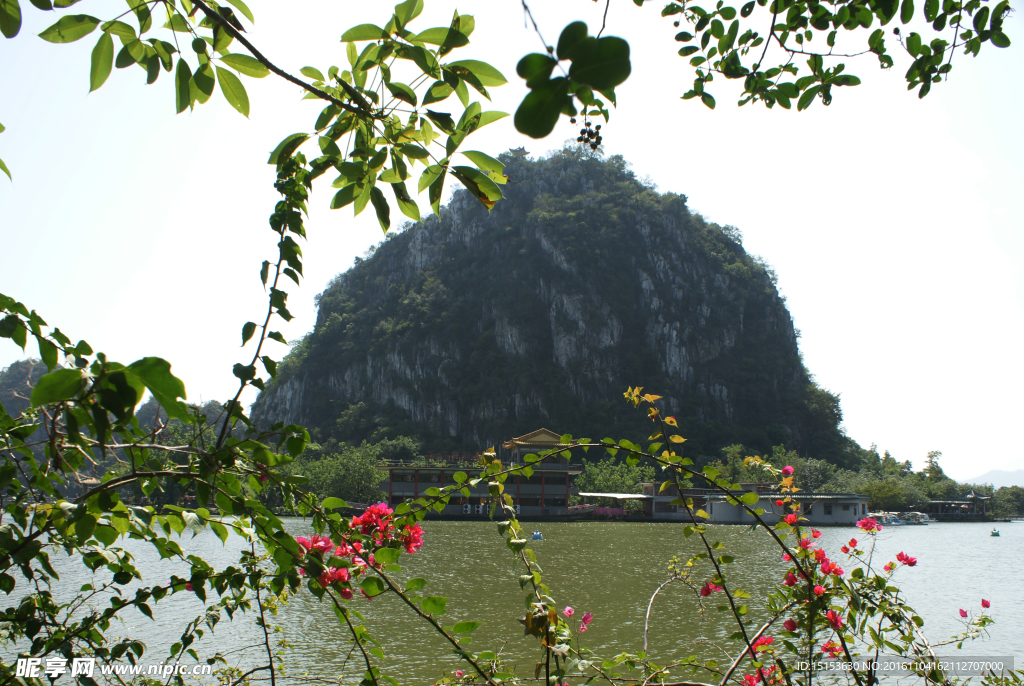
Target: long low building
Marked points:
544	494
822	509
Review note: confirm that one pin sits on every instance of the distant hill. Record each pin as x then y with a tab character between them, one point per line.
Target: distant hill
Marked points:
1000	478
471	328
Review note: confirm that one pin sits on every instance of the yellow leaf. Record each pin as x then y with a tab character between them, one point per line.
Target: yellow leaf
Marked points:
788	482
651	398
671	421
677	439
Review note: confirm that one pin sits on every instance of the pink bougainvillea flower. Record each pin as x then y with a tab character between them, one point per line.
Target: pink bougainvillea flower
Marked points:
853	542
790	625
815	533
832	648
890	567
787	470
845	549
412	538
791	519
790	580
706	590
345	593
985	604
963	613
568	612
819	590
906	559
749	680
779	503
188	586
586	619
264	478
820	556
786	557
459	673
835	620
869	525
806	543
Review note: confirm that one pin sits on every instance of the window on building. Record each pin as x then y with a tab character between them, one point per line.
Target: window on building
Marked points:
828	509
863	508
846	507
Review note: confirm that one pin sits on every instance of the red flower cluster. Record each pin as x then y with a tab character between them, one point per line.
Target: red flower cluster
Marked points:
832	648
790	625
766	673
869	525
985	604
761	645
377	523
791	519
709	588
815	533
835	620
906	559
806	543
790	580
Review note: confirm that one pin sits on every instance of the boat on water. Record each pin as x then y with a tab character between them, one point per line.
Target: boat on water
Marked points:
886	518
915	518
995	532
537	535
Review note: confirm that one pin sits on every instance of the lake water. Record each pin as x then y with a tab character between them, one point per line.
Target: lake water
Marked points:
607	568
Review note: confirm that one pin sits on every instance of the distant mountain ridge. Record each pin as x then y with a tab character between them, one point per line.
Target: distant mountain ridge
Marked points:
999	478
471	328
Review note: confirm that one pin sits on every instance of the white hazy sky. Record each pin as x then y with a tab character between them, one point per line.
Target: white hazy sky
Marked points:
895	225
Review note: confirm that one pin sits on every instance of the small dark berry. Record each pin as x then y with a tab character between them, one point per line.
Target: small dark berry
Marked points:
587	124
598	127
580	139
593	146
675	24
572	120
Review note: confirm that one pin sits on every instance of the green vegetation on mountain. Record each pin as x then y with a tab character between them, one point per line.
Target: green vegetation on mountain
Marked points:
467	330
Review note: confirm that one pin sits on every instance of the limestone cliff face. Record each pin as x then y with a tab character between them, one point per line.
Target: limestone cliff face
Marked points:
478	326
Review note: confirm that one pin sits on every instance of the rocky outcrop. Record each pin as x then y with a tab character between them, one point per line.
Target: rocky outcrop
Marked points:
583	281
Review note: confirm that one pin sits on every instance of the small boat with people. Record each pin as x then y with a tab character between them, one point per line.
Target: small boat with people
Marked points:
537	535
886	518
995	532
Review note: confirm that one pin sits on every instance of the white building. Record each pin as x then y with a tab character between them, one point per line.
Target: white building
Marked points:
821	509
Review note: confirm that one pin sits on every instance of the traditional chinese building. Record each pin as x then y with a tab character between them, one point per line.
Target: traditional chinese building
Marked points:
968	508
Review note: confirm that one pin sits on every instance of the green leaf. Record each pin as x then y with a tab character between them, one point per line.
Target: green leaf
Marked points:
202	83
438	91
380	206
10	18
47	352
750	498
434	605
1000	40
247	331
413	585
386	555
442	35
345	196
220	530
5	170
312	73
333	503
233	90
406	204
119	29
571	39
538	113
488	75
372	586
536	68
182	92
243	8
70	28
364	32
601	64
57	386
155	373
465	627
479	184
244	64
402	92
907	11
708	100
408	10
287	147
484	161
102	61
